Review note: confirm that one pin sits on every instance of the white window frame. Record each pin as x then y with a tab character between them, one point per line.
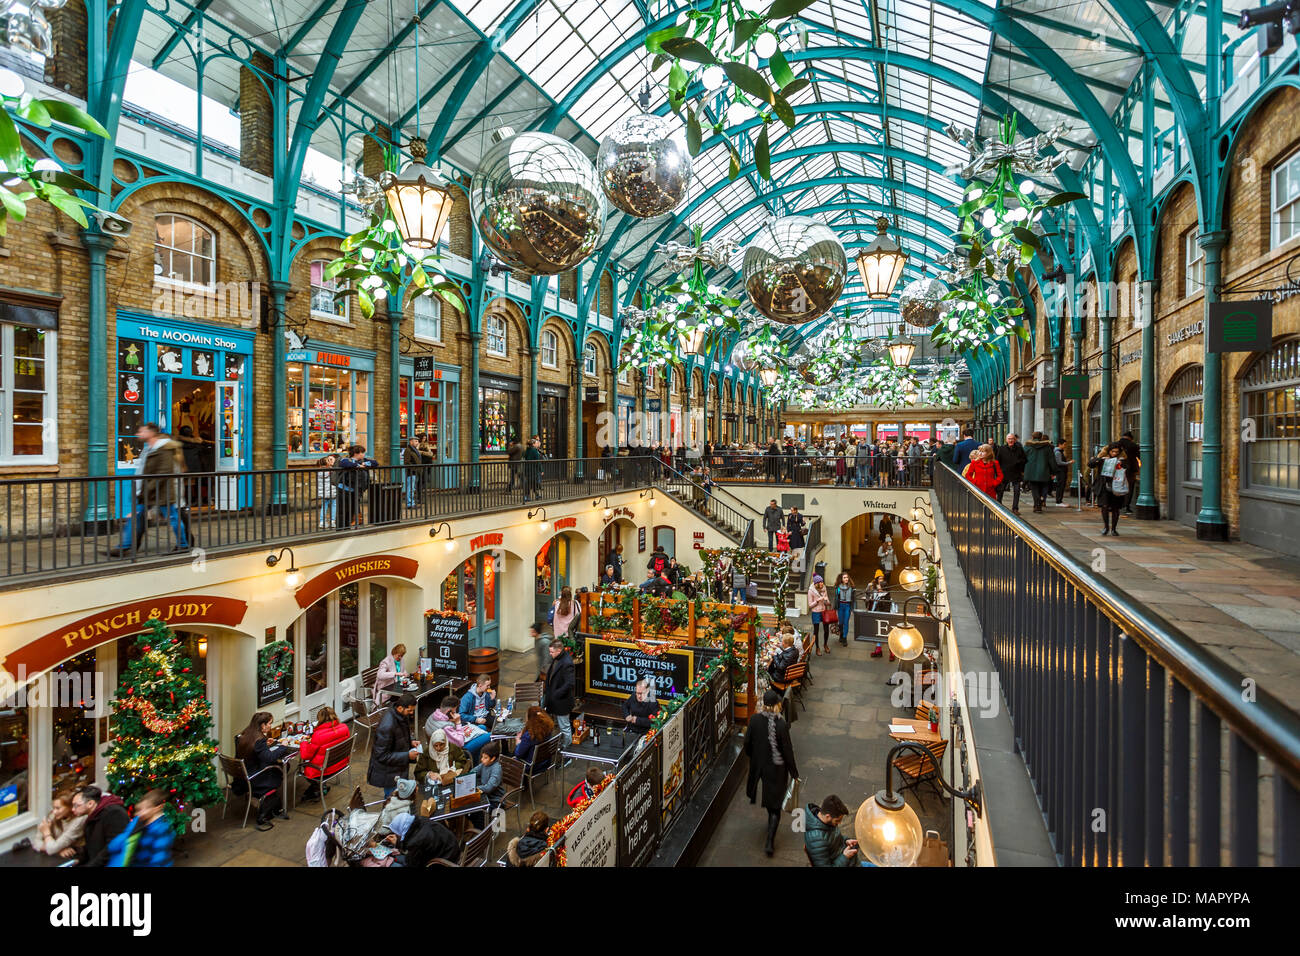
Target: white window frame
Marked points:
198	226
625	375
50	433
590	356
434	305
650	378
1194	270
334	288
1285	207
550	349
496	329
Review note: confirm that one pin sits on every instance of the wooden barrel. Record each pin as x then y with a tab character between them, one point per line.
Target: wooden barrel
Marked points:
485	660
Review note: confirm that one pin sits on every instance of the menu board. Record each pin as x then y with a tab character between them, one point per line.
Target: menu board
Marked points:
639	818
720	696
672	741
590	841
699	741
274	672
447	643
614	667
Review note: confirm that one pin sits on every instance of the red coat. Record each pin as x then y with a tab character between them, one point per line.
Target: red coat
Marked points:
323	738
985	474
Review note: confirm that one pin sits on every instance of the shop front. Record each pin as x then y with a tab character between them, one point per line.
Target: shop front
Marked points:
593	414
194	382
428	411
55	708
347	625
553	419
329	401
1186	411
553	569
627	421
499	401
472	589
1270	465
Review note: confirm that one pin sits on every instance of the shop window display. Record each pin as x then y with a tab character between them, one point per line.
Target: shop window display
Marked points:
332	403
498	420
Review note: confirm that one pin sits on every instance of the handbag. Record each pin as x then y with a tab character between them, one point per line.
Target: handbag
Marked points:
829	616
791	800
752	589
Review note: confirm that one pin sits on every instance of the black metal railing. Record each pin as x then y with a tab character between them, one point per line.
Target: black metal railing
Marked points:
874	471
734	516
1122	718
52	524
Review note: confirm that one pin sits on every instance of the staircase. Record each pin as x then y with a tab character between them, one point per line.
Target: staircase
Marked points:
724	511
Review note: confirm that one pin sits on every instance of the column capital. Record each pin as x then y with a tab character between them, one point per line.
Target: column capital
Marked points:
1214	239
96	240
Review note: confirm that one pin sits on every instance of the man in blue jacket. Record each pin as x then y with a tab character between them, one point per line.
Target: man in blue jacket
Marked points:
147	839
822	839
961	454
478	706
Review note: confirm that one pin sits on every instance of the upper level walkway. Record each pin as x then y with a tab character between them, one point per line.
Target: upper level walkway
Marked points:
1241	602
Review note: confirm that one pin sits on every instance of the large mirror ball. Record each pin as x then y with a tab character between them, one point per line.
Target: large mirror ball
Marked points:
537	203
644	166
794	269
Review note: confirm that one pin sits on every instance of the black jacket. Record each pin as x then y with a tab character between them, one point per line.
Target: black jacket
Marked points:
1012	460
427	840
390	757
557	697
773	518
103	823
640	710
762	766
1133	452
797	527
824	842
781	660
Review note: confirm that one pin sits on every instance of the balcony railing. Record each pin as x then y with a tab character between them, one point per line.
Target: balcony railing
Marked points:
875	471
61	524
1122	718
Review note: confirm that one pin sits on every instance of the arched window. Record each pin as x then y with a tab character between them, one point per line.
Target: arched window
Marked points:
550	349
495	335
651	379
1269	404
589	360
184	250
625	374
1130	411
325	303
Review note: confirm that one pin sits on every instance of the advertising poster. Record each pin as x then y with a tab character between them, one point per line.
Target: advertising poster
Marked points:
672	740
639	817
590	841
614	667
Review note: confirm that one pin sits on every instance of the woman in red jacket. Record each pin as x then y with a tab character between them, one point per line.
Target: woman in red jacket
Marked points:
329	731
984	472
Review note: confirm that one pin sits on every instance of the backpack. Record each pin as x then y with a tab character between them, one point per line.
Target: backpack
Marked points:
661	564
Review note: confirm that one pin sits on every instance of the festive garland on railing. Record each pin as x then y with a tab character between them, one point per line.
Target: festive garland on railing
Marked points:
670	706
558	830
750	561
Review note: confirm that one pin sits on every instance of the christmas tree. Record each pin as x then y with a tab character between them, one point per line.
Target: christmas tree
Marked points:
161	729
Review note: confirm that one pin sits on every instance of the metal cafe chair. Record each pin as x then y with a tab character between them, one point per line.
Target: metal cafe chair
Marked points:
340	751
235	770
547	752
513	776
365	715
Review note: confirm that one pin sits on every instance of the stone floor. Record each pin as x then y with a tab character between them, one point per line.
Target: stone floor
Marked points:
1240	601
840	742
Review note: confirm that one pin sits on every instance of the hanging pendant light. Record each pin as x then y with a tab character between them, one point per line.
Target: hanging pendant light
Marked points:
419	199
690	340
901	349
769	376
881	263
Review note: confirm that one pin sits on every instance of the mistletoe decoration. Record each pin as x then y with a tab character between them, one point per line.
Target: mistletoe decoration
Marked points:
24	178
717	55
999	231
941	389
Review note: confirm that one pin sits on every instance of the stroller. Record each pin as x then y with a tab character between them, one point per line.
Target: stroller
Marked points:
343	837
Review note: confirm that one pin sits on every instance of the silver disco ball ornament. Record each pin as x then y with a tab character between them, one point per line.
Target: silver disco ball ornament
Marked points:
644	165
537	203
921	301
794	269
23	26
741	360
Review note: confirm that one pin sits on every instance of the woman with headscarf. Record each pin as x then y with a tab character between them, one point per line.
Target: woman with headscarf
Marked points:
444	759
771	760
420	840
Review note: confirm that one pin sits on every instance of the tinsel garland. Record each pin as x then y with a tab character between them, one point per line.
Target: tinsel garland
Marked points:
153	722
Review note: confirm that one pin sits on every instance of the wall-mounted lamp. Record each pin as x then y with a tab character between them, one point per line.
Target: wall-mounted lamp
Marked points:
921	508
203	648
651	493
451	539
292	576
608	512
888	830
905	639
542	525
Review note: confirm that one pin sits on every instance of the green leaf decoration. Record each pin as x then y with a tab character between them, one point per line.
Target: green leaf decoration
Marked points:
11	147
72	115
782	9
62	179
749	80
684	48
744	30
762	155
35	111
654	42
784	111
794	86
693	132
782	75
734	170
70	206
1061	199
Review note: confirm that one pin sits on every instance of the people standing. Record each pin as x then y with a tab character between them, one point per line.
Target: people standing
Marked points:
819	608
558	694
533	468
354	479
1040	468
797	528
984	472
1132	455
887	556
862	463
327	490
1011	458
962	451
616	559
1112	486
514	458
156	486
412	462
771	761
1063	463
564	612
394	748
844	605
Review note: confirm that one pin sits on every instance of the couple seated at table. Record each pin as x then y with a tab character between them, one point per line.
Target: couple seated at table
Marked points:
470	736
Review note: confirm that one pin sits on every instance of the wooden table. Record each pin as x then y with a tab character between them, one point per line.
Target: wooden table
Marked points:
921	733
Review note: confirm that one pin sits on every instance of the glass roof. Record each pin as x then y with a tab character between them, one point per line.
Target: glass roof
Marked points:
869	138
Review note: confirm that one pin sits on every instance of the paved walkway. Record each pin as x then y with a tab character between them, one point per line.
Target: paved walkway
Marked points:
840	743
1241	601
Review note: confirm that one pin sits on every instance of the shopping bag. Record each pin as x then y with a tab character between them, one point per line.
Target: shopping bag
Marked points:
791	800
934	852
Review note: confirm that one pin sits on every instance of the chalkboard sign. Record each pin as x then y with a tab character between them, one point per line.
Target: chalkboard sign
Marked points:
699	741
614	667
447	644
720	696
639	792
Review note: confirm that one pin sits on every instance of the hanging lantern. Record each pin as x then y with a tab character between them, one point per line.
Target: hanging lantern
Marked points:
901	350
418	198
881	263
644	166
794	269
691	339
769	376
537	202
